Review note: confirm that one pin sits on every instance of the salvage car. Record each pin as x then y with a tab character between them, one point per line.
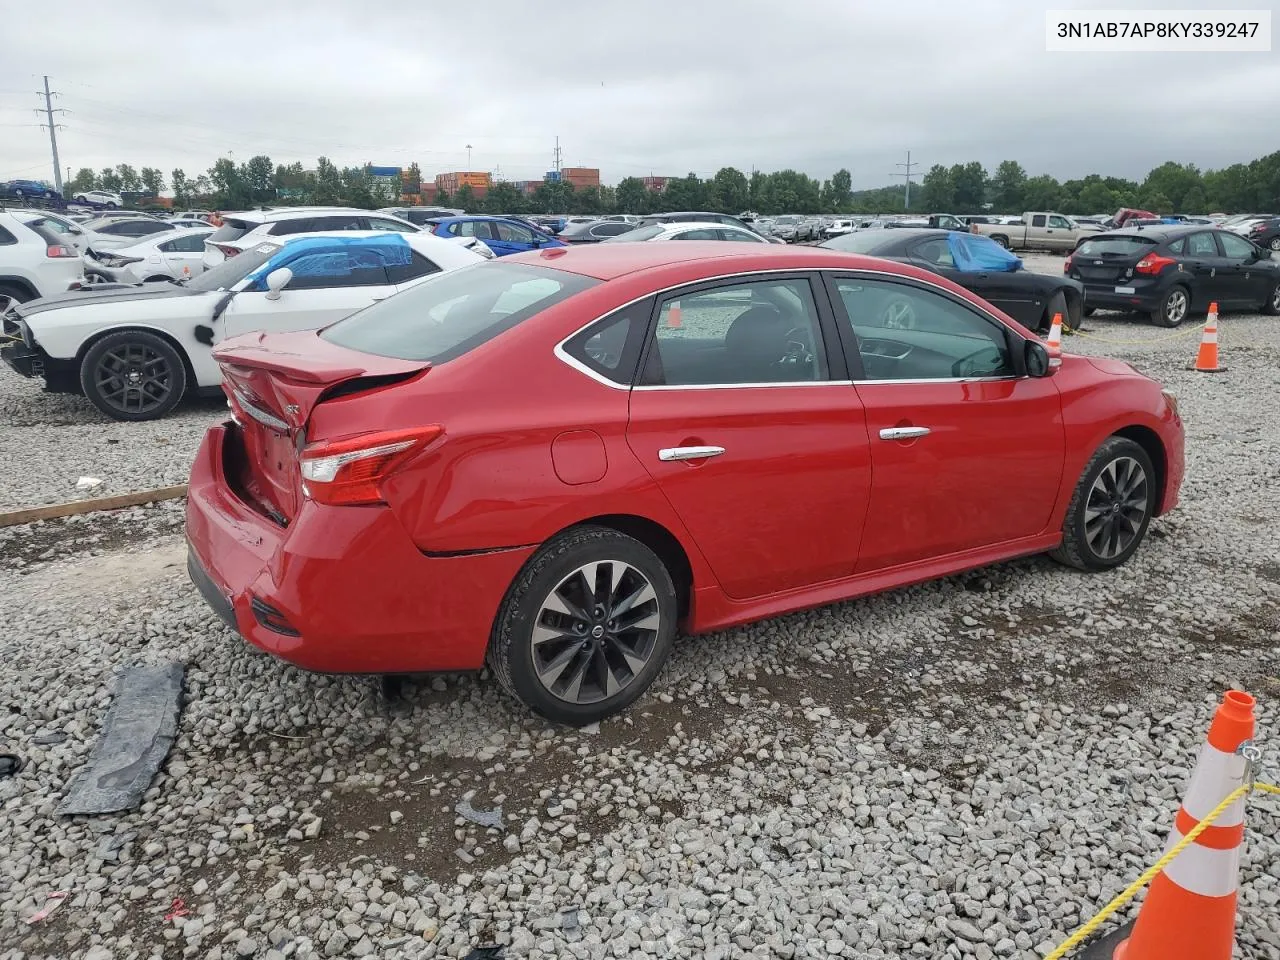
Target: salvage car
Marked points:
417	488
136	351
1037	231
1171	273
1030	298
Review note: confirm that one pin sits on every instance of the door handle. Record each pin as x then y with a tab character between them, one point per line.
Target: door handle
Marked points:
689	453
903	433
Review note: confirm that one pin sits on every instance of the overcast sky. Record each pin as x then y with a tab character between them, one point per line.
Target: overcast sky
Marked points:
662	87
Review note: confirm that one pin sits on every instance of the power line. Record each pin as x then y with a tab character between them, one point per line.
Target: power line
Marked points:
907	176
53	132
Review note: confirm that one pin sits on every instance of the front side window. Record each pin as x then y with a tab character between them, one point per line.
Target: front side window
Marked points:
935	251
1237	248
763	331
448	315
480	229
702	233
324	269
512	233
1059	222
910	333
739	236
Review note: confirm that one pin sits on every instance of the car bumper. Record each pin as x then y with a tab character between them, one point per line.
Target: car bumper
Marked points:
341	589
1113	296
24	360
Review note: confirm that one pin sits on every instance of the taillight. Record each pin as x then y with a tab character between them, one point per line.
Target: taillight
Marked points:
350	471
1066	264
227	252
57	250
1153	263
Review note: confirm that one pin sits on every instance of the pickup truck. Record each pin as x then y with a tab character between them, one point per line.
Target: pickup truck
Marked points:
1037	230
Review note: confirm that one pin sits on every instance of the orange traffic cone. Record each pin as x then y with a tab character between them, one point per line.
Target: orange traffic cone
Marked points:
1207	358
1190	910
673	316
1054	340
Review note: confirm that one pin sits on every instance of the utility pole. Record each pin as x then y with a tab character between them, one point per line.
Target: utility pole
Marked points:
468	158
53	132
556	155
907	176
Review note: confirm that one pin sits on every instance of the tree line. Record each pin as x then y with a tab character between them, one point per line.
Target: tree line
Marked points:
961	188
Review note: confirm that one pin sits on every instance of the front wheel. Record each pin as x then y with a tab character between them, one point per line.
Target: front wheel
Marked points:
1110	509
585	627
10	297
1174	308
1271	307
1275	244
133	375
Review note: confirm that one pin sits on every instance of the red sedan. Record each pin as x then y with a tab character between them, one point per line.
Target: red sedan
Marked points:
556	461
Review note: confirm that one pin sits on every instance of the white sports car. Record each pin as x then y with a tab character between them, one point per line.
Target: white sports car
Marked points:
135	351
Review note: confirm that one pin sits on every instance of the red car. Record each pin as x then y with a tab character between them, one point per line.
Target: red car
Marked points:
556	461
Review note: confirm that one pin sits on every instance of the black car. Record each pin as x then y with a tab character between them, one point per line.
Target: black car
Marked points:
1030	298
1266	233
594	232
1171	272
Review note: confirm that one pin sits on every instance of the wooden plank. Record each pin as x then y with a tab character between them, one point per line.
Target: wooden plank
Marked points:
119	502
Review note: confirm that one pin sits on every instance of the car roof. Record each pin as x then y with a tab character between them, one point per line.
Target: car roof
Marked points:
696	224
287	213
1162	231
468	216
608	261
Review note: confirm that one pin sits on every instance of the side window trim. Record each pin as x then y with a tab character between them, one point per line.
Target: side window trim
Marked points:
837	370
849	340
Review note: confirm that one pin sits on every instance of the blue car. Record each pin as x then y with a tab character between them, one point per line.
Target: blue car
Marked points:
28	189
501	235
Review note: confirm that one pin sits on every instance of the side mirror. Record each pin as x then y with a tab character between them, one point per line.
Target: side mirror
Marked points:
277	280
1264	253
1037	360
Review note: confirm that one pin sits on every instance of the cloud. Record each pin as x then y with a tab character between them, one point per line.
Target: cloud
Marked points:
663	87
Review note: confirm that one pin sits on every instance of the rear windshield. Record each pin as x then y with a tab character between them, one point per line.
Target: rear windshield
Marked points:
231	230
455	312
867	243
1114	246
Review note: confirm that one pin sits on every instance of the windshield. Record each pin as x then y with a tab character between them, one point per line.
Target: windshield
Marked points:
1114	246
455	312
867	243
640	233
787	219
230	271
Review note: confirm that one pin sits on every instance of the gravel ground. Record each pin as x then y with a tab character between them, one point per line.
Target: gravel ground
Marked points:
967	768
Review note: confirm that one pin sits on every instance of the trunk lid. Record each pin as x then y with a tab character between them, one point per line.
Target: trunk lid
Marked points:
273	382
1109	259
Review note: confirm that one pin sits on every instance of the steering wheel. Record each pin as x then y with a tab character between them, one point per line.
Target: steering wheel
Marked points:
798	349
602	357
899	314
986	362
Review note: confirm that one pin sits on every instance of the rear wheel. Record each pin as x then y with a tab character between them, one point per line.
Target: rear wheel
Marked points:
133	375
1110	509
1275	244
1003	241
1174	308
585	627
1057	304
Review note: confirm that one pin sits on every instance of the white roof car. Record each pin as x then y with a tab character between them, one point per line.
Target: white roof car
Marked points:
99	198
70	231
284	221
106	233
171	255
135	351
687	231
34	262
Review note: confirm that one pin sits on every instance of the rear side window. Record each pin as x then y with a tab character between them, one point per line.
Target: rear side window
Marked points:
231	230
6	237
1037	220
419	266
1115	246
611	346
455	312
297	225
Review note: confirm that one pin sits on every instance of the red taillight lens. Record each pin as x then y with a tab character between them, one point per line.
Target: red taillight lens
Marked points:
57	250
1153	263
350	471
227	252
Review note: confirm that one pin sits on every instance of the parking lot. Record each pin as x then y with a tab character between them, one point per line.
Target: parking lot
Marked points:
969	767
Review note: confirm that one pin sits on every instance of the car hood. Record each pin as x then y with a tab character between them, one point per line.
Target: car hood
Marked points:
89	297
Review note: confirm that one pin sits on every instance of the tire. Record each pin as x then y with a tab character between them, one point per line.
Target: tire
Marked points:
1275	244
1057	304
1108	538
112	205
550	585
1174	308
10	295
108	370
1003	241
1271	307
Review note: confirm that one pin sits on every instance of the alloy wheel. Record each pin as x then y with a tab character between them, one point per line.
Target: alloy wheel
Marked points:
1116	508
900	315
1275	243
595	632
7	303
1176	306
133	378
